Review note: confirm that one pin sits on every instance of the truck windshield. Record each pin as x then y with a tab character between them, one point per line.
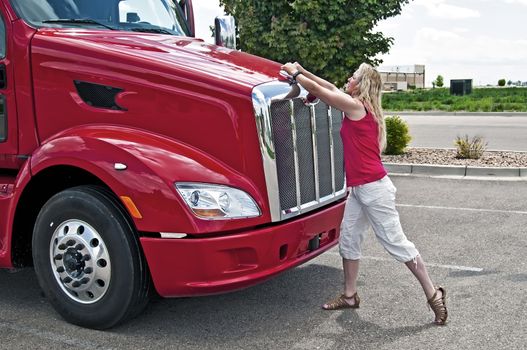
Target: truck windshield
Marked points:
153	16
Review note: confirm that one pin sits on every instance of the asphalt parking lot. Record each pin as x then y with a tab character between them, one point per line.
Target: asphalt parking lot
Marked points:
471	233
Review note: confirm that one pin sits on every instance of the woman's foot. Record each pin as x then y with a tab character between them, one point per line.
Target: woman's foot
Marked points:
438	305
343	302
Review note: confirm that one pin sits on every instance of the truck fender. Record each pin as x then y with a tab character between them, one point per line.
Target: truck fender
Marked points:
144	167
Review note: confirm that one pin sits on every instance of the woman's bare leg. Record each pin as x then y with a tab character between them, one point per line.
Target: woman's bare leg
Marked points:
419	270
351	273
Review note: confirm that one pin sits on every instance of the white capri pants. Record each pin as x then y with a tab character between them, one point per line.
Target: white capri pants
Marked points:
374	203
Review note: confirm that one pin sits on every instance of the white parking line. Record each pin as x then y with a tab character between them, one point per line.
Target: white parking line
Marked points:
464	209
449	267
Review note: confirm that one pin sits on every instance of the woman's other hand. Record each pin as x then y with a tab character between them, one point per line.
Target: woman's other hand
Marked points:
290	68
299	67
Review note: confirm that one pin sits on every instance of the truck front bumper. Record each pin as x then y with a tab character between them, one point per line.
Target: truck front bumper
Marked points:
201	266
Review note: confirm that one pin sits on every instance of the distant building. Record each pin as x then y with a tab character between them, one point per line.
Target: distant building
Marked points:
460	87
397	78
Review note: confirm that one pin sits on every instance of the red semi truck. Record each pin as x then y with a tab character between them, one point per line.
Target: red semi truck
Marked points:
135	158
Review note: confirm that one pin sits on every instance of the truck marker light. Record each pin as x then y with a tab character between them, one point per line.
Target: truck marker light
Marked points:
120	166
127	201
172	235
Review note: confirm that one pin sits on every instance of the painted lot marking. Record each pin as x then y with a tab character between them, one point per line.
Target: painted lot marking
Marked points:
443	266
449	267
463	209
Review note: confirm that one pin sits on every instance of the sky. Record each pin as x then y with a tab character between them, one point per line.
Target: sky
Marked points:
483	40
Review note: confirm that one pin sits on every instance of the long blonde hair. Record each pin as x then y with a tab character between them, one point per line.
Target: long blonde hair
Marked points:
369	91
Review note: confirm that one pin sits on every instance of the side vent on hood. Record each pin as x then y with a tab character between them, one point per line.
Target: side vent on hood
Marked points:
99	96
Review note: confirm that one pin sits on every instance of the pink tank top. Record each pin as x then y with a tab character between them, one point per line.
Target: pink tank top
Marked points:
362	159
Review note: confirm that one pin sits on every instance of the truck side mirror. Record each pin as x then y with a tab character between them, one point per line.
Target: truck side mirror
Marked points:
225	30
132	17
188	13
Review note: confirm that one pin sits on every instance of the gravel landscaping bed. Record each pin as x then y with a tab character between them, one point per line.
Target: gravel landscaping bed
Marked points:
438	156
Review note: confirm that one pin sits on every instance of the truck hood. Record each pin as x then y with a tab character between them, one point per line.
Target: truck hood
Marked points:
183	88
187	54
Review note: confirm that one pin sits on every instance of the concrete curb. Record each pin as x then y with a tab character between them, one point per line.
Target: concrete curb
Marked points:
454	170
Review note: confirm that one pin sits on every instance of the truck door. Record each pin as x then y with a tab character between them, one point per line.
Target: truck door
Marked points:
8	117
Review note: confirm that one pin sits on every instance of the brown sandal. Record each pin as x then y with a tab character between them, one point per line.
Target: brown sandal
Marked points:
438	306
341	303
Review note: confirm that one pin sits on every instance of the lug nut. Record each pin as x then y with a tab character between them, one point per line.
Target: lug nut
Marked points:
79	246
88	270
85	280
76	284
62	247
86	258
58	257
60	269
70	242
67	280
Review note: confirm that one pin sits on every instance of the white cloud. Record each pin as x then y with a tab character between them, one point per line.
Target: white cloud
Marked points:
448	47
440	9
521	2
206	5
204	13
455	55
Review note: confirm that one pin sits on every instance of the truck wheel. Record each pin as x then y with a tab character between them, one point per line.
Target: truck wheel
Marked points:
88	260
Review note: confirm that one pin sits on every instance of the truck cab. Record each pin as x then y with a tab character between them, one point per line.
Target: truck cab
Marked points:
136	159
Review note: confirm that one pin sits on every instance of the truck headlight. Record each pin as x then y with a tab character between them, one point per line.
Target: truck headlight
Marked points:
217	202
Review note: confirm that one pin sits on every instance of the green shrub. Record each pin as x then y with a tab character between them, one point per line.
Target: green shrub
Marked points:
481	99
397	135
470	148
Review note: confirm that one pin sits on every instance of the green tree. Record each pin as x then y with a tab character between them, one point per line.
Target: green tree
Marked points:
329	37
501	82
439	81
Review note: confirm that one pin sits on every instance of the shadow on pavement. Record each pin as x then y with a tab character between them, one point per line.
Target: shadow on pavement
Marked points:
284	311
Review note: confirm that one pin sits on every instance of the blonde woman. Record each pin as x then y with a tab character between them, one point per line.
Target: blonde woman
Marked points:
371	199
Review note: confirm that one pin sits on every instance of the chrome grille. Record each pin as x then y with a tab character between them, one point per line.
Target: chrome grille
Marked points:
301	149
308	152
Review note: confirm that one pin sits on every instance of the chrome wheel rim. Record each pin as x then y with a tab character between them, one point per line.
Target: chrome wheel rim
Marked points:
80	261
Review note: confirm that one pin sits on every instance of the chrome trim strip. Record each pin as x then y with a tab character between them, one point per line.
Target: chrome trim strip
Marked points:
295	154
308	205
315	151
262	111
289	213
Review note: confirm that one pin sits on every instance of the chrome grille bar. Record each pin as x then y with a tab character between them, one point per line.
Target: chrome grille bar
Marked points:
331	149
315	152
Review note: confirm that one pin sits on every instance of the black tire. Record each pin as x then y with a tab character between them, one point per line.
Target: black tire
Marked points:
88	259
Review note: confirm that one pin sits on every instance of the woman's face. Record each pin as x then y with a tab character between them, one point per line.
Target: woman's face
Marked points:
352	83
